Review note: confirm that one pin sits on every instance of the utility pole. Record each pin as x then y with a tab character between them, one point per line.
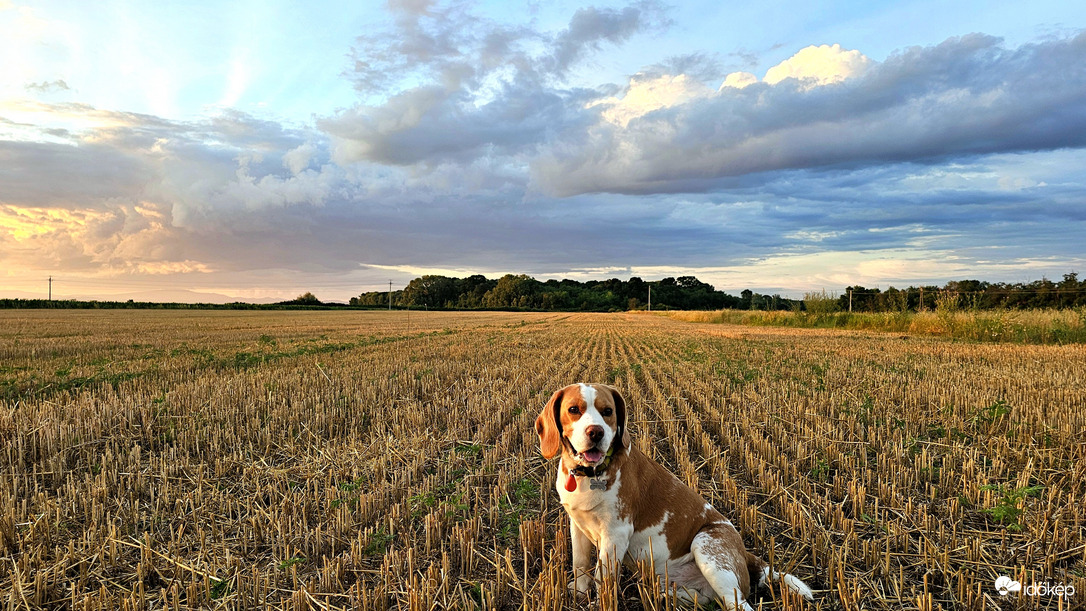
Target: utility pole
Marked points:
389	295
650	297
50	288
850	299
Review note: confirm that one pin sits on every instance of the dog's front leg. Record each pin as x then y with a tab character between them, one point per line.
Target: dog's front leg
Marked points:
582	560
612	551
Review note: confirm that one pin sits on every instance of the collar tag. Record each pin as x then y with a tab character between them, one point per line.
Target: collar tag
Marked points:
597	483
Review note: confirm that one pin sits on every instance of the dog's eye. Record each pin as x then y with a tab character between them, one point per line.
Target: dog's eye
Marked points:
573	409
606	412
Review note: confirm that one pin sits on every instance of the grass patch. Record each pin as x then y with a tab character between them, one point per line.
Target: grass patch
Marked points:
1014	326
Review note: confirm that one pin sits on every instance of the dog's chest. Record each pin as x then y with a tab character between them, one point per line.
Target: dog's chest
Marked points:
595	509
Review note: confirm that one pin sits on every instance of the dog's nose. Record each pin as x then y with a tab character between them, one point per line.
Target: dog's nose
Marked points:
595	433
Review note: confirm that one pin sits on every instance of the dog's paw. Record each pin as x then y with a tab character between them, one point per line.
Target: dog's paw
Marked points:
582	586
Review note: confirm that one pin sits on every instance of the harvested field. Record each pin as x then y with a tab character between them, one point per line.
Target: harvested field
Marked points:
373	460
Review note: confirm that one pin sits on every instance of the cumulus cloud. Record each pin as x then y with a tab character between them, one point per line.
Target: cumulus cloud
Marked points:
964	97
739	80
820	65
298	159
645	95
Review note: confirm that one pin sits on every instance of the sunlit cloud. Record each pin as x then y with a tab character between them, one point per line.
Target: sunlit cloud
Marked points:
820	65
646	94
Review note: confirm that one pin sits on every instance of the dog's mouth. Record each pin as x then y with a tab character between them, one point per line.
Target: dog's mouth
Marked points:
589	457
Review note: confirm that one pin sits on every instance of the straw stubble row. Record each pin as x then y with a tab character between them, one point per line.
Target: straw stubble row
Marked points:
388	460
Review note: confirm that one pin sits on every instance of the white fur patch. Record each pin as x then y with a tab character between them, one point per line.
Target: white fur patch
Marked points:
790	581
591	416
588	394
718	572
796	585
651	543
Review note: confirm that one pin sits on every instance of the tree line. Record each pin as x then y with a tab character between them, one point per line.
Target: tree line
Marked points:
522	292
969	294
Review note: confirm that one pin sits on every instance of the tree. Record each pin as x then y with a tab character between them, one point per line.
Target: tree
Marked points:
510	291
430	291
820	302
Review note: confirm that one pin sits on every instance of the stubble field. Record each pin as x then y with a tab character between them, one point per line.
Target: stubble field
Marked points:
373	460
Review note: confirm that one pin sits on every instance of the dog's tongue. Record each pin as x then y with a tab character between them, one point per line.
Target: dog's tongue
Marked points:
593	455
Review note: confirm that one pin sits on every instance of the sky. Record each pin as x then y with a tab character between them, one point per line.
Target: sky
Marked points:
208	151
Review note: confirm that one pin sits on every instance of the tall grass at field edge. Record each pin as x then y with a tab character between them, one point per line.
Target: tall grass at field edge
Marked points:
1015	326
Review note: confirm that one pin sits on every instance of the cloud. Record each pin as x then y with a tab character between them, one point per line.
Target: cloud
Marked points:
48	86
126	193
298	159
820	65
590	28
739	80
967	96
645	95
449	86
811	67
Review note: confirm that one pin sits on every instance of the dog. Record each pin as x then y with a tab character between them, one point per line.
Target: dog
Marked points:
628	507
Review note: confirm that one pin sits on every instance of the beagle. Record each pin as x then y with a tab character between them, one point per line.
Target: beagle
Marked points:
629	507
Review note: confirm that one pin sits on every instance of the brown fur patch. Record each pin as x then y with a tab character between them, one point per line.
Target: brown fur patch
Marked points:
649	490
726	548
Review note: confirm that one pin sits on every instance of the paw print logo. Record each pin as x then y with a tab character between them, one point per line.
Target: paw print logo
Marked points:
1005	585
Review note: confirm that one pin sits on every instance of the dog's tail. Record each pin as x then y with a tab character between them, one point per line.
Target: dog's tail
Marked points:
761	572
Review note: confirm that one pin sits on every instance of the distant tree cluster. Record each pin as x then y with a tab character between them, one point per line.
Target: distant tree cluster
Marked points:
970	294
305	299
523	292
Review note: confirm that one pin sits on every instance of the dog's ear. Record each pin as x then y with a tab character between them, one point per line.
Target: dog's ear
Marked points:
548	428
620	415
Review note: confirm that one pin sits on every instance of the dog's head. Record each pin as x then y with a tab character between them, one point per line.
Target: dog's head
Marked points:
588	420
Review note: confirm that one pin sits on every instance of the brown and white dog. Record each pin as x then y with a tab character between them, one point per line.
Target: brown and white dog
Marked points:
628	507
